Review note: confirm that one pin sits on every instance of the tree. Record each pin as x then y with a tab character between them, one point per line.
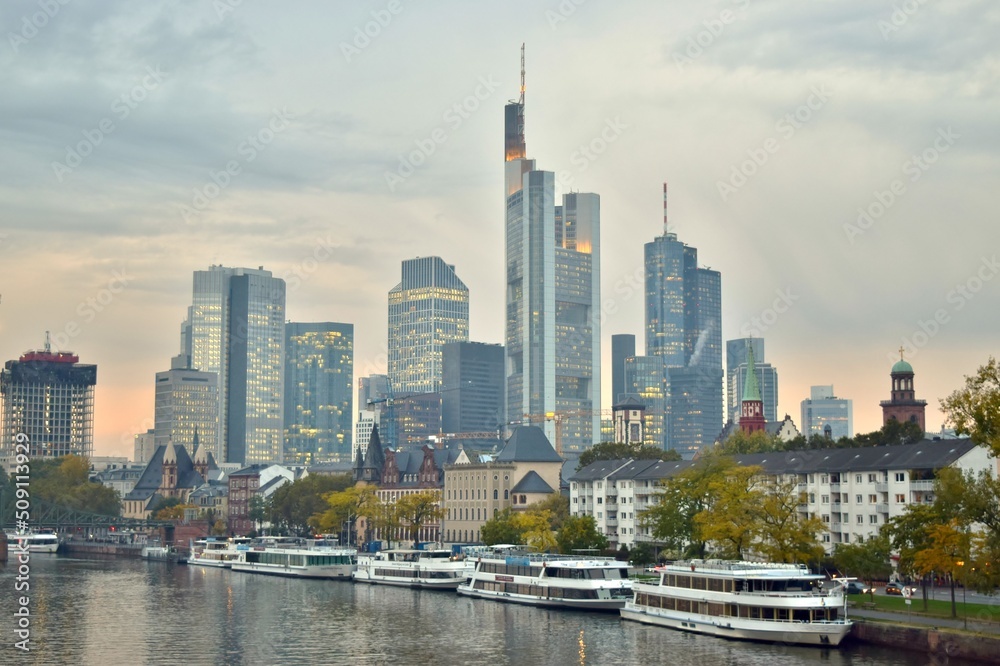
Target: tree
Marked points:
293	504
892	433
343	507
65	481
642	554
683	496
865	560
173	511
580	533
536	530
417	509
162	503
948	552
783	535
259	510
619	451
740	443
975	409
731	521
558	505
502	528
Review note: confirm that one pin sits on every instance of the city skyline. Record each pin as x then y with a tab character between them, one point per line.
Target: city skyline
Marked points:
815	155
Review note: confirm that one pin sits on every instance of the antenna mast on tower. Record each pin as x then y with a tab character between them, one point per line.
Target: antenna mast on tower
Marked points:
666	226
522	74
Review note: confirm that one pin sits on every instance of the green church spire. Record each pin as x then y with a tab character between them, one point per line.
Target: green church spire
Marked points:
751	390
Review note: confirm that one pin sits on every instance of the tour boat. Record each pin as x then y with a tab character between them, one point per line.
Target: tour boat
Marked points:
431	569
38	542
559	581
745	600
213	552
158	552
298	558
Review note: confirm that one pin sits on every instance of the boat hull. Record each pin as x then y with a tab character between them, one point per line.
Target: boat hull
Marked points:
328	573
402	581
605	605
215	564
824	634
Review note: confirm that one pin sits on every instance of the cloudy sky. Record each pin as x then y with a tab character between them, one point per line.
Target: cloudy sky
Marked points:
836	161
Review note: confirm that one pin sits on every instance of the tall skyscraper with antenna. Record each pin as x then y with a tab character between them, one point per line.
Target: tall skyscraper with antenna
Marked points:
553	351
684	327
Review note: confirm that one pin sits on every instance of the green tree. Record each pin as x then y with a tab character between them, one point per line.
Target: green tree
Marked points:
740	443
683	496
259	510
161	503
293	504
417	509
731	521
580	533
65	481
642	554
343	507
783	535
975	409
173	512
892	433
558	505
502	528
867	560
618	451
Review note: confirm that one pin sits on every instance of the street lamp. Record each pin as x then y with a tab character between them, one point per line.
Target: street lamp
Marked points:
965	608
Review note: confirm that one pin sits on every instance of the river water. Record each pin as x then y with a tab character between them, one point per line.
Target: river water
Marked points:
111	612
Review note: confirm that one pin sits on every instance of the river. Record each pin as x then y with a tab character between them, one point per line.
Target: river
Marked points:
111	612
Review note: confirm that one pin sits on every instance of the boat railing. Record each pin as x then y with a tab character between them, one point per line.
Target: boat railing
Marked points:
727	565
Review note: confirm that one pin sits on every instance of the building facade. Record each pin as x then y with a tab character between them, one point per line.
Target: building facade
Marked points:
736	375
826	415
186	405
319	392
472	390
684	327
427	309
552	303
48	405
236	329
259	479
646	379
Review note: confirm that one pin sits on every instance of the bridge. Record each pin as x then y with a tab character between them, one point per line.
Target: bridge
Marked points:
61	518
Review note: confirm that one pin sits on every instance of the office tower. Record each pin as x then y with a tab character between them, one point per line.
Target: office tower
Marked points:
144	446
646	382
186	402
552	298
684	327
415	417
319	392
622	347
825	414
236	329
427	309
903	406
48	404
736	371
472	391
367	420
371	389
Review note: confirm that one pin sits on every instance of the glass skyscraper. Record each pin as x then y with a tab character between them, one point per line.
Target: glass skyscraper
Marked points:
552	299
49	398
622	347
319	392
824	413
236	329
186	402
645	379
684	327
427	309
472	393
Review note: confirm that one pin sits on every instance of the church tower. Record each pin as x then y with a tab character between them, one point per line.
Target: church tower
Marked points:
903	406
752	405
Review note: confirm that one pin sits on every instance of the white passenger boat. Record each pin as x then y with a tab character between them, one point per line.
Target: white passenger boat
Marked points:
38	542
298	558
158	552
559	581
745	600
216	552
432	569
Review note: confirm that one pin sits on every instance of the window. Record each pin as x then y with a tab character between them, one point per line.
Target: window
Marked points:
873	519
506	495
600	514
600	500
900	498
496	494
857	478
825	478
574	500
812	498
826	518
825	499
871	478
860	519
873	499
859	499
900	476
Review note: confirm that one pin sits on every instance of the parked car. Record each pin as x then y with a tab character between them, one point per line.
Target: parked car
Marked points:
855	587
897	589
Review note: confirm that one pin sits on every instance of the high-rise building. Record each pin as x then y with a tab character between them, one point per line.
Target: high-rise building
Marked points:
736	373
827	415
903	405
622	347
143	447
236	329
319	392
186	404
552	298
684	327
415	418
427	309
372	389
472	391
48	404
646	380
367	420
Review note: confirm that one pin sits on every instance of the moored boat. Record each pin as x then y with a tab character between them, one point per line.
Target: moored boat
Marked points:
158	552
216	552
298	558
555	581
431	569
743	600
38	542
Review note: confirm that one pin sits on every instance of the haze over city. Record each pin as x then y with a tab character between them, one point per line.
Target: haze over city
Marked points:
834	163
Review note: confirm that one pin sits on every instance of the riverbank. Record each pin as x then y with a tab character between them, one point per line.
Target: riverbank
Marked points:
74	547
942	642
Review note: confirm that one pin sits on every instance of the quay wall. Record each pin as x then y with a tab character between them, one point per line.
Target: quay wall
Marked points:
940	645
102	548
